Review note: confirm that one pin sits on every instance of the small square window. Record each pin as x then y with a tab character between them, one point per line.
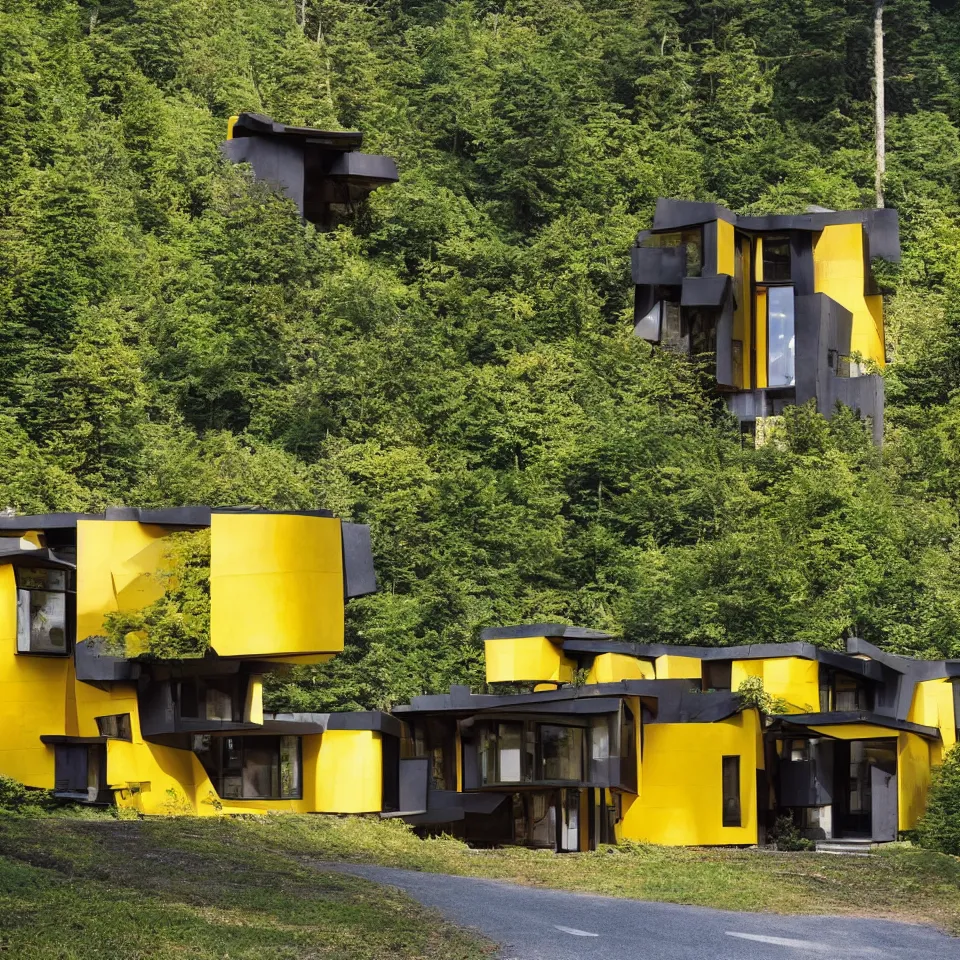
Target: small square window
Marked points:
116	726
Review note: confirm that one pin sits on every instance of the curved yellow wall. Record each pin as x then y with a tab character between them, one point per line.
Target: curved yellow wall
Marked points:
527	660
276	585
349	773
613	667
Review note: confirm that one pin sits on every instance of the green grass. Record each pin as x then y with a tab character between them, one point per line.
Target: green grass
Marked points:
186	888
901	882
258	886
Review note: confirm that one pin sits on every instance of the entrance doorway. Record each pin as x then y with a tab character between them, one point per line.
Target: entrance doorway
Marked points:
865	789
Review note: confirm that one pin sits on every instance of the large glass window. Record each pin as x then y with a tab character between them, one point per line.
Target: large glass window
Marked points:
211	698
252	768
42	610
731	791
561	753
781	361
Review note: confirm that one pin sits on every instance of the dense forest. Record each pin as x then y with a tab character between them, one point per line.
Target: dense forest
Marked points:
456	365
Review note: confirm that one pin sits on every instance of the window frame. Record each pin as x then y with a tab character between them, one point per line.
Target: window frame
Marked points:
69	593
729	800
216	776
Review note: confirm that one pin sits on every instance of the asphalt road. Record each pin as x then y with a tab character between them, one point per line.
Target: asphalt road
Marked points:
537	924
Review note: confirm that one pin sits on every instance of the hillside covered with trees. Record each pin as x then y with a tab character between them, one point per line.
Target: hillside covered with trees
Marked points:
456	367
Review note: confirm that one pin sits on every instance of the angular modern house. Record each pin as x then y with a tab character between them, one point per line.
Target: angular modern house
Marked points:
187	733
776	305
321	171
630	741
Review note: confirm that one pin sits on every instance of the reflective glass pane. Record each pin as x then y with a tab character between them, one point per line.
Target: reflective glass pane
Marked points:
511	739
648	327
289	767
781	363
41	622
561	752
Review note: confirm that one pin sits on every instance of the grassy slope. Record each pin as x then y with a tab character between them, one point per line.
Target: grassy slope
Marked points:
257	888
72	889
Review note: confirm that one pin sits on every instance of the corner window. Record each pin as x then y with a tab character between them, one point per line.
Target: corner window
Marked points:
252	768
42	610
116	726
731	792
776	259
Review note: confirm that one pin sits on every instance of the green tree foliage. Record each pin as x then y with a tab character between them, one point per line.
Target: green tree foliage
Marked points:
939	828
454	365
177	625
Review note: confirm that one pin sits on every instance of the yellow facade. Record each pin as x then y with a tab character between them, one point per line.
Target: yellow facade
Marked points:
527	660
613	667
671	667
725	248
349	772
791	679
681	797
269	575
839	272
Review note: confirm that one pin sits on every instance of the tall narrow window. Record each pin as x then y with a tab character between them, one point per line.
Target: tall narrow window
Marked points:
781	344
510	736
731	791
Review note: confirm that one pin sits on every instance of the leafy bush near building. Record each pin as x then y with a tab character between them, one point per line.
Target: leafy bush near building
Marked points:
939	829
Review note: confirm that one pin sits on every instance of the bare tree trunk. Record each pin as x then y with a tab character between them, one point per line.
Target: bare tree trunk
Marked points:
878	98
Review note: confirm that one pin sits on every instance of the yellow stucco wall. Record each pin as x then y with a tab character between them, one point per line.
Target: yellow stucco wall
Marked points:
913	777
33	698
839	273
933	707
790	678
613	667
349	773
276	585
526	659
760	312
673	667
681	796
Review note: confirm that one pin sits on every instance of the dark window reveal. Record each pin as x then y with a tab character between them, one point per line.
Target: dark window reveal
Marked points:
561	753
717	674
116	726
44	610
252	768
731	791
776	260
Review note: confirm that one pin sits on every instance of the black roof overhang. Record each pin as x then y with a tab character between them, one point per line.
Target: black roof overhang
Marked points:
192	516
789	724
553	630
259	125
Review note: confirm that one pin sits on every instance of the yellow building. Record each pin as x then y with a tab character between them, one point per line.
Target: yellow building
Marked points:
787	307
134	646
91	717
665	744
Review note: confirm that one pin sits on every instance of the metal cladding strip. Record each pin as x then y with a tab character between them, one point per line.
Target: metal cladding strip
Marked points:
553	630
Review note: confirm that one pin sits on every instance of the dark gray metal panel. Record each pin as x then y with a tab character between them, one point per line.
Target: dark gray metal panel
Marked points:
725	344
471	765
705	291
710	246
883	805
414	782
372	169
811	362
659	266
801	263
359	576
675	214
93	664
798	784
273	160
196	516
